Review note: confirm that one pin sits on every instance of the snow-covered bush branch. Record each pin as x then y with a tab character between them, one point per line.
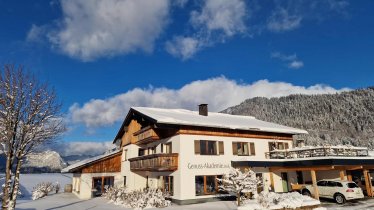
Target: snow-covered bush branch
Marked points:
137	199
43	189
238	182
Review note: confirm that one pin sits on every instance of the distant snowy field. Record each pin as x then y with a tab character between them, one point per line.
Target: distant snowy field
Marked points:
28	181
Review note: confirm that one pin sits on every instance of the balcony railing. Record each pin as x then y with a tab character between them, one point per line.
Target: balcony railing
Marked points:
319	151
155	162
146	135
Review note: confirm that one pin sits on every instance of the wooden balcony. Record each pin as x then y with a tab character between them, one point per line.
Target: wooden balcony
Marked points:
155	162
146	135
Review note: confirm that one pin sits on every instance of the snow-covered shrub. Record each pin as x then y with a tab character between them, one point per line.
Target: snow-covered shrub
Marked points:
237	182
293	200
57	187
137	199
41	190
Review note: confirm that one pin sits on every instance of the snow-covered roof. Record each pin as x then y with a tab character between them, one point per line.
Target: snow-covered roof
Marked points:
215	120
88	161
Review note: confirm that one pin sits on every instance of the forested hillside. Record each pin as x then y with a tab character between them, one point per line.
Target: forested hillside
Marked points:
342	118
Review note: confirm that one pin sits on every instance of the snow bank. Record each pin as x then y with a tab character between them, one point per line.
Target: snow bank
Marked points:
271	200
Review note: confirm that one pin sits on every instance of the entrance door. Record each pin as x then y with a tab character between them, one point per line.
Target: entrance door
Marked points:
284	181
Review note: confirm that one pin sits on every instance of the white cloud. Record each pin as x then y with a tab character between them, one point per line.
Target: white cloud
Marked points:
82	148
36	33
292	61
218	92
183	47
296	64
221	15
95	28
217	21
281	21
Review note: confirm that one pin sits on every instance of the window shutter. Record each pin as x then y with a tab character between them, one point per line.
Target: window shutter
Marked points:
221	149
197	147
162	148
252	146
286	145
270	146
234	148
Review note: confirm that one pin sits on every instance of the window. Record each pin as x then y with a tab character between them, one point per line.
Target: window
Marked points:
321	183
100	184
168	148
168	185
260	187
300	178
352	185
243	148
151	150
204	147
334	184
206	185
125	154
141	152
124	181
278	145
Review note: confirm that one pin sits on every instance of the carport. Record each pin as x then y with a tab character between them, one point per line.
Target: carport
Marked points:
343	166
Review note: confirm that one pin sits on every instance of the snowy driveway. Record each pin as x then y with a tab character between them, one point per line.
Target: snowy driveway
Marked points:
68	201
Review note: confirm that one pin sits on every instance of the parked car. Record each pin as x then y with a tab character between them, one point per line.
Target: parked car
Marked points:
339	190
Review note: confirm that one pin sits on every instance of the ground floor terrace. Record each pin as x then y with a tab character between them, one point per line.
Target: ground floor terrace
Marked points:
292	174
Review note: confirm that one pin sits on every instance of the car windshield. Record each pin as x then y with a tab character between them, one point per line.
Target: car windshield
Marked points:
352	185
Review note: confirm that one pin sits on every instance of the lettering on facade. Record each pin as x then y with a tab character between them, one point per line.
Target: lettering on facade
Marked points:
207	165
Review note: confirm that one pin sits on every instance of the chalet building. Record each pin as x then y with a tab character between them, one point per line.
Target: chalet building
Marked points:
183	152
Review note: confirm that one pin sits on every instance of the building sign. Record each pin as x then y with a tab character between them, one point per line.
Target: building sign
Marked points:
207	165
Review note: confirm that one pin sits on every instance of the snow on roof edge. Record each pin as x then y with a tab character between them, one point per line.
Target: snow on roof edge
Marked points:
277	128
87	161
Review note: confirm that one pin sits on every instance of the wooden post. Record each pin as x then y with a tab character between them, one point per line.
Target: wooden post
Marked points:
272	181
349	175
367	183
314	181
341	173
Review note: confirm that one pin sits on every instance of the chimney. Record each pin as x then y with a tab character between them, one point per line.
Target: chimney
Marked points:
203	109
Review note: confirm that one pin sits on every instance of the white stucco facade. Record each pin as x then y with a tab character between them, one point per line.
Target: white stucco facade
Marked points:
191	165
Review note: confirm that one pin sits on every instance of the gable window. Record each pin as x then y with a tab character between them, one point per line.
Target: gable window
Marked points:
204	147
243	148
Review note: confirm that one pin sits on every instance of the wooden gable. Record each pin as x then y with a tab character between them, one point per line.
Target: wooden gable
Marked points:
110	164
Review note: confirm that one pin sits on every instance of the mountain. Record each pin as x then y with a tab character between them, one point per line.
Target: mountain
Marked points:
43	162
71	159
341	118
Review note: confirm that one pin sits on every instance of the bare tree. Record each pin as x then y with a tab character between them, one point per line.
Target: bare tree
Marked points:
29	117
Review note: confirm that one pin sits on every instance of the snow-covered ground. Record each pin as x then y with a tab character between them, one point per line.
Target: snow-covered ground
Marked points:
67	201
28	181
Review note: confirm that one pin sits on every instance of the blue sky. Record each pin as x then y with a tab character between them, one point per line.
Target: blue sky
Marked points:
103	58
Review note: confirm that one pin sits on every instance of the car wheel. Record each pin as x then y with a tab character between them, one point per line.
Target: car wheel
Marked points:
307	193
339	198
